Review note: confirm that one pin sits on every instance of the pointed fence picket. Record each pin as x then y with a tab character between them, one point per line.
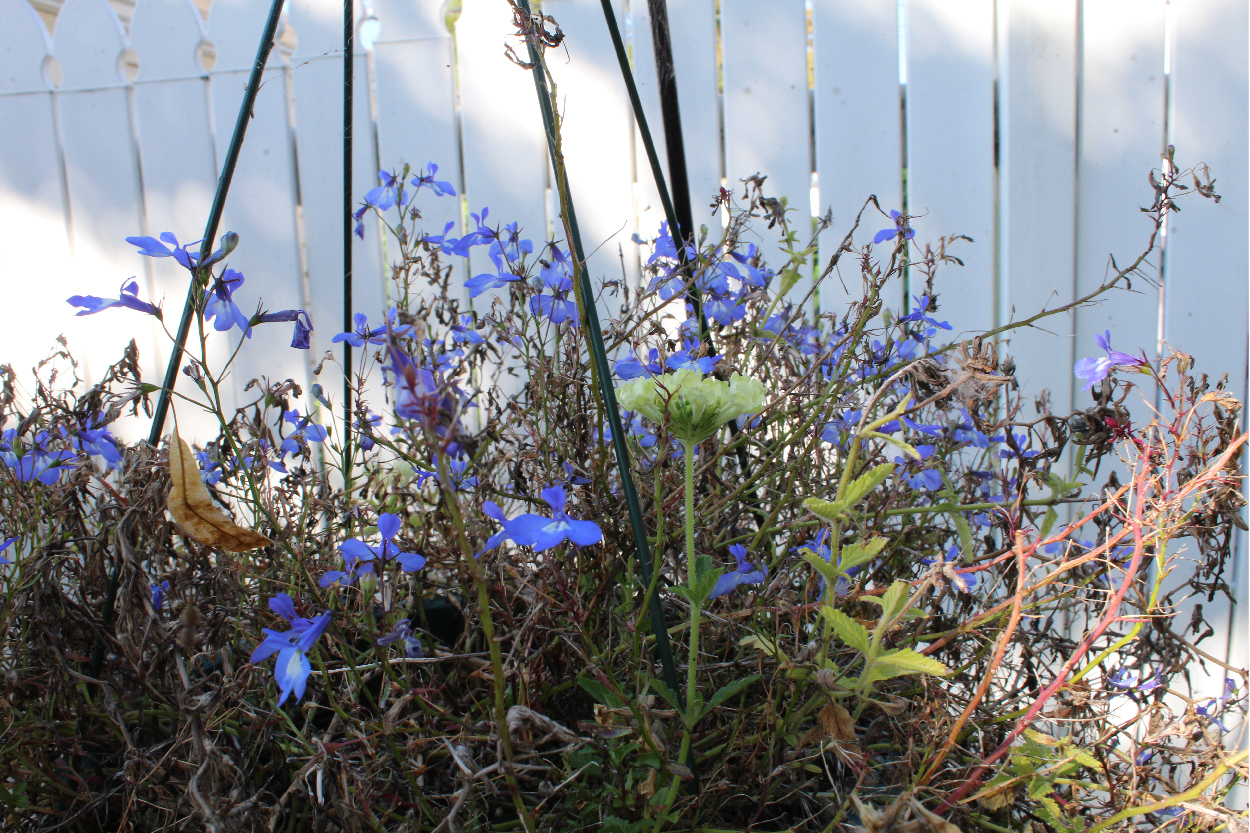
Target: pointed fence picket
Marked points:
1026	125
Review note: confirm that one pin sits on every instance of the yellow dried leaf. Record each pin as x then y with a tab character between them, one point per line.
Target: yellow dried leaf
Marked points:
192	507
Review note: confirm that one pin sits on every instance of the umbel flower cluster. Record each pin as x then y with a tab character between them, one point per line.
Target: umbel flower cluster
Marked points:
826	591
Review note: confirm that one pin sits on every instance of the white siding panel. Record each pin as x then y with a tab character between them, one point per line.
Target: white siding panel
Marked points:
317	82
261	202
505	152
1038	198
103	183
1206	270
1121	136
767	124
693	31
950	150
597	133
179	165
416	99
859	131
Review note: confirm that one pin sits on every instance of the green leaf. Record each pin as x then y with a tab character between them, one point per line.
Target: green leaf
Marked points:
1048	522
1084	758
765	646
827	510
853	555
848	630
892	603
1039	787
901	661
822	566
859	488
1049	810
965	531
704	582
599	692
729	690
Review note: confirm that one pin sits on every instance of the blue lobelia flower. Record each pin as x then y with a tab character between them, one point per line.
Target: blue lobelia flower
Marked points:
492	510
544	533
682	359
292	668
94	438
219	305
558	277
427	179
1093	369
158	594
301	338
8	542
631	368
306	431
480	283
357	552
128	297
890	233
747	573
386	196
151	247
401	630
1212	708
363	335
453	245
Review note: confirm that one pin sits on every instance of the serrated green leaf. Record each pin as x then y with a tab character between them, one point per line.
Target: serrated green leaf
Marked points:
848	630
765	646
667	693
729	690
1085	759
861	552
1049	810
912	662
859	488
827	510
822	566
1039	787
599	692
892	603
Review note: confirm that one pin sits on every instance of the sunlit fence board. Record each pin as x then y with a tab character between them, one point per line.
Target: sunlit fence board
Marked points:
262	202
859	132
102	174
1037	108
1205	289
597	133
767	123
34	243
950	149
693	27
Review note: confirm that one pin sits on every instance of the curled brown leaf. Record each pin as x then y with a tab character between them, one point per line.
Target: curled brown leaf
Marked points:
192	507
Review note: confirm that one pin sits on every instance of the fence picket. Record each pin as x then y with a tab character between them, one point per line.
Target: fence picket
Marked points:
597	131
1205	292
859	131
505	154
767	124
950	150
416	100
177	157
1038	192
693	30
34	236
261	205
105	203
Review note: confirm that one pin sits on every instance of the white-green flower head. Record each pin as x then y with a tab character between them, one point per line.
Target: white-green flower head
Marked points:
696	405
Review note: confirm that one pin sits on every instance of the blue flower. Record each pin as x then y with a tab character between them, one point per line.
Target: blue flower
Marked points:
439	187
1212	708
682	359
465	332
151	247
128	297
457	471
891	233
8	542
292	668
401	630
94	438
556	276
492	510
300	339
746	573
480	283
631	368
362	335
541	533
356	551
219	305
306	431
385	196
158	594
1093	369
452	245
920	313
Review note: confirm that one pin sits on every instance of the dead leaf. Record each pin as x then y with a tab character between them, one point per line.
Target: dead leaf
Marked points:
192	507
835	725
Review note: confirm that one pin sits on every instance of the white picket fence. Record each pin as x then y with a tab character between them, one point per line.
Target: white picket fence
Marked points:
1028	125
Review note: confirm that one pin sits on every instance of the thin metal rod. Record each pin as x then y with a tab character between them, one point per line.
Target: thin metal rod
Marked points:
598	354
349	59
214	218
